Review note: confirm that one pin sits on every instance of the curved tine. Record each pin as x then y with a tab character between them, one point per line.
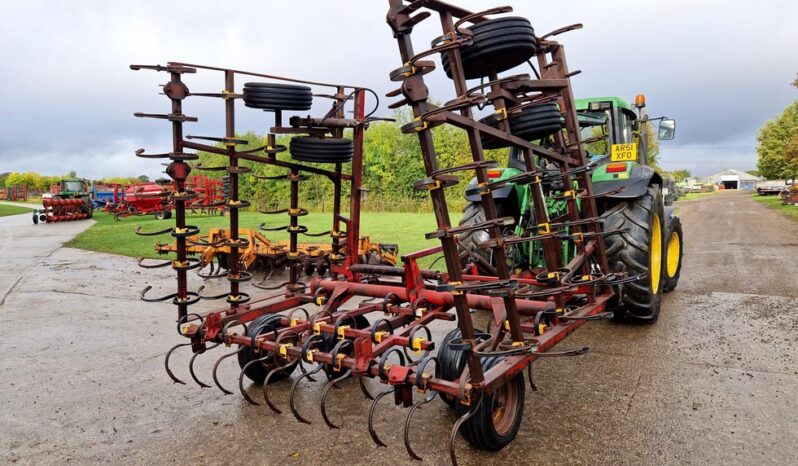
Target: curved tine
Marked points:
324	393
372	408
241	378
305	371
293	391
191	367
363	388
407	425
166	363
266	389
531	380
456	428
216	367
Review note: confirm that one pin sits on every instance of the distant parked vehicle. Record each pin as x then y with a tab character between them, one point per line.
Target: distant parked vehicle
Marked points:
771	188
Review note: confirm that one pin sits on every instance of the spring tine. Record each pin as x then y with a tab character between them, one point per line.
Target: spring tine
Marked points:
216	367
191	367
305	371
531	380
361	381
324	393
266	390
241	378
372	408
453	437
407	425
166	363
293	392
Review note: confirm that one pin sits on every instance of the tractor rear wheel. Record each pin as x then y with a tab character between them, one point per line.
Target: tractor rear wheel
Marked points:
673	254
498	417
257	372
638	250
468	243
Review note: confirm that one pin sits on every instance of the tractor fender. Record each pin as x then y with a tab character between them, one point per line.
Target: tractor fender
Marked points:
640	178
498	193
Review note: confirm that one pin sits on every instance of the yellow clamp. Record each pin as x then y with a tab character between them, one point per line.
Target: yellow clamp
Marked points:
518	343
293	211
553	275
456	292
420	312
317	328
180	231
507	325
378	336
541	328
309	355
502	112
586	278
418	129
341	331
184	329
579	238
335	256
179	264
295	322
320	301
233	297
482	185
338	359
544	228
415	345
569	194
284	350
412	71
536	180
232	202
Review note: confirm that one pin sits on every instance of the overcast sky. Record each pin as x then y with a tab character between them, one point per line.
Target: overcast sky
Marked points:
720	68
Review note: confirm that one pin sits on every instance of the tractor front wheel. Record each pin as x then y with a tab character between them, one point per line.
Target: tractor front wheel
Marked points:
638	250
468	242
673	254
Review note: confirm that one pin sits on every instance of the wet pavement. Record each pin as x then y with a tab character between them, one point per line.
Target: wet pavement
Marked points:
715	381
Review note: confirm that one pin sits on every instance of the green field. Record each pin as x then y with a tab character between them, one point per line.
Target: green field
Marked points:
774	202
405	229
6	210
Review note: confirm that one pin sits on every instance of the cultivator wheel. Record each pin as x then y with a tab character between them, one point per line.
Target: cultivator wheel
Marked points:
496	418
638	250
528	123
674	250
271	96
498	45
257	371
318	150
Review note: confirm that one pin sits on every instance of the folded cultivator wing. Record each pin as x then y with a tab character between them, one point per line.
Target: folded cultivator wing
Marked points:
324	327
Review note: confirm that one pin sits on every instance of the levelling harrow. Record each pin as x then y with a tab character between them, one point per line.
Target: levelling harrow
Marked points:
387	337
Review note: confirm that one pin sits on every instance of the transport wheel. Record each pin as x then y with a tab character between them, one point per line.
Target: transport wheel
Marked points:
529	124
498	418
160	215
468	242
639	250
452	363
167	214
270	96
499	44
318	150
35	218
257	372
673	255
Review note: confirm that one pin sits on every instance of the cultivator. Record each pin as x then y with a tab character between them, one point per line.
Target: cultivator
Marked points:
479	373
63	210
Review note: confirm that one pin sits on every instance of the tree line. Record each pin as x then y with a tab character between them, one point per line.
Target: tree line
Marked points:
777	144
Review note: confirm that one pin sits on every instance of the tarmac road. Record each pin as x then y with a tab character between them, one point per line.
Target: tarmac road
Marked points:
715	381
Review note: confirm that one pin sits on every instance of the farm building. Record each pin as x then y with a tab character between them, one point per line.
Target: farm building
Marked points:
734	179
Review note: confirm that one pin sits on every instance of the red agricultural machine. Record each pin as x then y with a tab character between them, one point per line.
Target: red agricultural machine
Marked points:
145	199
386	337
70	200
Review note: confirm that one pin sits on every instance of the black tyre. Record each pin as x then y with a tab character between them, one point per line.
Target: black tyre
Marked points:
529	124
674	242
35	217
452	363
318	150
160	215
329	341
639	250
468	243
499	44
498	418
257	372
269	96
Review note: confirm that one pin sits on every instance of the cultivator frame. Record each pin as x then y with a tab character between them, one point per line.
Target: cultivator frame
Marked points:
529	316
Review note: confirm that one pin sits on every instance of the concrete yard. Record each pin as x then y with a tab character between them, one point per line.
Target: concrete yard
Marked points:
715	381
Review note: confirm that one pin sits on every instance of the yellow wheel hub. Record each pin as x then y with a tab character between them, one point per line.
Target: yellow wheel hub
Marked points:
674	251
655	266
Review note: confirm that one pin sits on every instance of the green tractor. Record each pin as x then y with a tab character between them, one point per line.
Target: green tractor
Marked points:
650	243
69	188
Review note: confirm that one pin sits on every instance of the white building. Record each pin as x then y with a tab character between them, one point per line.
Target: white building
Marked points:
734	179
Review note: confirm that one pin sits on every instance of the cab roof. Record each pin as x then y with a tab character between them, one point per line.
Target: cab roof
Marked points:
582	104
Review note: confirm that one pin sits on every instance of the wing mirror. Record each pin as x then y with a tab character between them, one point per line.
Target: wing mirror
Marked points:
667	129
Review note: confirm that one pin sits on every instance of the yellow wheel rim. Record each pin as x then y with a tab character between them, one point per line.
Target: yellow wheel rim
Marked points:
655	267
674	250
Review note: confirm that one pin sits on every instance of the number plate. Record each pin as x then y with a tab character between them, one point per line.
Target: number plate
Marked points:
624	152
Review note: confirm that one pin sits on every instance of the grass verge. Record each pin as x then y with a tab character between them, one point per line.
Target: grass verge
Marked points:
774	202
694	196
6	209
107	235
